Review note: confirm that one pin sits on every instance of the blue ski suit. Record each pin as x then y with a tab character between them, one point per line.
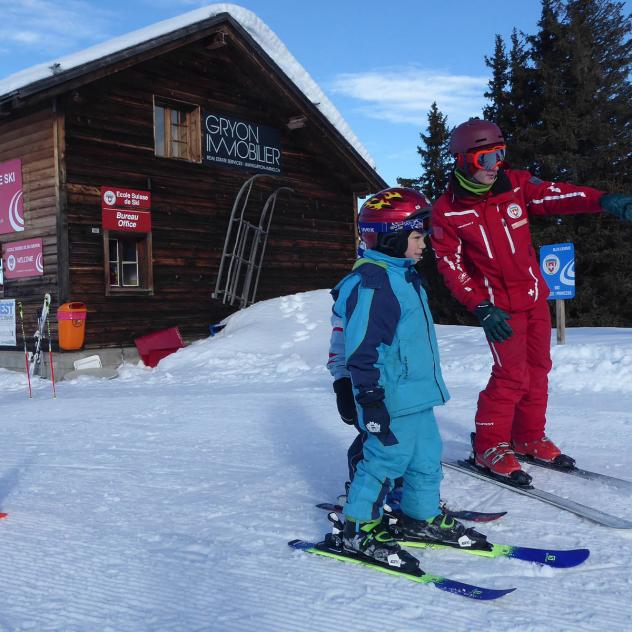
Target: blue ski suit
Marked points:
391	347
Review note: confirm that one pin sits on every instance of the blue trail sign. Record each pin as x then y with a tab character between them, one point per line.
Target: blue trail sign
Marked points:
557	263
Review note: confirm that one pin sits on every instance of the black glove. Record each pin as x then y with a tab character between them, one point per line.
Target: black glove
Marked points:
617	204
377	421
344	401
494	322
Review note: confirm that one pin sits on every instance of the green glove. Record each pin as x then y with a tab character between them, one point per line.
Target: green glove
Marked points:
617	204
494	322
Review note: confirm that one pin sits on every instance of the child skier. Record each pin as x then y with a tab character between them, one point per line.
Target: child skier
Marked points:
392	357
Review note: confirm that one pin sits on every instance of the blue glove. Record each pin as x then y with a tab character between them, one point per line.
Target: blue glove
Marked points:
344	400
375	415
617	204
494	322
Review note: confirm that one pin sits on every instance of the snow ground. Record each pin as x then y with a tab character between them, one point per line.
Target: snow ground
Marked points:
163	500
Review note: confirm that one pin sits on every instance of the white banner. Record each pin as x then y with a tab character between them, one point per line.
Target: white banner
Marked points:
7	322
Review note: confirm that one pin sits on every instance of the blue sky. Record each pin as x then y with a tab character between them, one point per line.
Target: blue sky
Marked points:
381	63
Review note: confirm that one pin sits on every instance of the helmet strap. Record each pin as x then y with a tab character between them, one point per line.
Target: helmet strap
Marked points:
393	244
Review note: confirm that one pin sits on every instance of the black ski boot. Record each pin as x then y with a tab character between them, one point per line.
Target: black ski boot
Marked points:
373	542
442	529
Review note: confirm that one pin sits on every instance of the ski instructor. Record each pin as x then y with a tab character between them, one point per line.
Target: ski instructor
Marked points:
482	242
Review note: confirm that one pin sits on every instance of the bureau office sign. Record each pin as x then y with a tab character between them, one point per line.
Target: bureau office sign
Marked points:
234	143
127	210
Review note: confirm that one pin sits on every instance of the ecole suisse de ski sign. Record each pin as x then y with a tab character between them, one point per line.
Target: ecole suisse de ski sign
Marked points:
126	210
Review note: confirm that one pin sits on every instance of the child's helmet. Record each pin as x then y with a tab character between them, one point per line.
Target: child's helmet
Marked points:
388	217
474	133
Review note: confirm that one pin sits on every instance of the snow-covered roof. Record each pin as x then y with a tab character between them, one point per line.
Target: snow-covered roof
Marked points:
256	28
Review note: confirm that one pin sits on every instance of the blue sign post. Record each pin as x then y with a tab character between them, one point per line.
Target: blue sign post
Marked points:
557	263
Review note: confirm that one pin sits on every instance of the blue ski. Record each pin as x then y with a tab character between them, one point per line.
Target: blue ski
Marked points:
442	583
549	557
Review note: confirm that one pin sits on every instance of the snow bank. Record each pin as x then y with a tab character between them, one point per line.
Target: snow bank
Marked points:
592	360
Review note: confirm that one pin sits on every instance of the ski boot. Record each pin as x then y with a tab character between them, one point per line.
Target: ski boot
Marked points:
545	451
500	462
374	543
442	529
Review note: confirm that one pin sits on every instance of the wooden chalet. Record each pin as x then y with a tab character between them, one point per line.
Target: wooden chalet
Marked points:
149	175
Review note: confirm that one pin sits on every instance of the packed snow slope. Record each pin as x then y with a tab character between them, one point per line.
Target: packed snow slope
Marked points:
163	500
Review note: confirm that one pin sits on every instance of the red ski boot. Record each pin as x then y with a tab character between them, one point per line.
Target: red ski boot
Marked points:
501	463
544	451
500	460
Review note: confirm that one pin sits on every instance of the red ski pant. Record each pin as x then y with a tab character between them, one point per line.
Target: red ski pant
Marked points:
513	404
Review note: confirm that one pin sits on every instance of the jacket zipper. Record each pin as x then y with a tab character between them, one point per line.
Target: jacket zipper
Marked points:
511	243
484	234
434	363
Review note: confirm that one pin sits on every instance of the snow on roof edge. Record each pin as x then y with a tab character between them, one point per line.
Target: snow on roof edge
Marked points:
256	28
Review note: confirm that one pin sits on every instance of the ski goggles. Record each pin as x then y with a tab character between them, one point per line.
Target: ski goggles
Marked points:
487	159
420	224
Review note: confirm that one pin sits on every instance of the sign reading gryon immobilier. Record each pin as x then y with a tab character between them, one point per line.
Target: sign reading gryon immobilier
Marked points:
234	143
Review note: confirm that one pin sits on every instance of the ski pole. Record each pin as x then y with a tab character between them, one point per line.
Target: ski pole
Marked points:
50	357
26	353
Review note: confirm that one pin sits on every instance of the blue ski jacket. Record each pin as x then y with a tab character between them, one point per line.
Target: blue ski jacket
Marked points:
389	336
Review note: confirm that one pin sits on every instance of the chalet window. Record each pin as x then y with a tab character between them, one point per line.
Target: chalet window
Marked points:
128	263
177	130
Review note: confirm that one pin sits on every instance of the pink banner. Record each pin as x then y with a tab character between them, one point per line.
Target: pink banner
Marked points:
11	202
23	259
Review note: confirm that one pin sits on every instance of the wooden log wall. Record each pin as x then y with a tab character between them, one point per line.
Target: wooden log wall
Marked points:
109	141
30	136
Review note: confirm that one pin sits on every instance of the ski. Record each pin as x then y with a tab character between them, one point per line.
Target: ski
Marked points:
584	511
327	549
548	557
578	471
36	365
462	514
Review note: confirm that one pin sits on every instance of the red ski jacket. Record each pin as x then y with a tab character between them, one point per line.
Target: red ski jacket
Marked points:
483	243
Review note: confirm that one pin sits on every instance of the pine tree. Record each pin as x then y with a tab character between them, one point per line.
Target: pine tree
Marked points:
521	108
410	183
598	36
581	132
598	80
498	85
550	132
436	162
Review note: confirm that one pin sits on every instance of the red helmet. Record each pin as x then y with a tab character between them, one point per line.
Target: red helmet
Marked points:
393	210
474	133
